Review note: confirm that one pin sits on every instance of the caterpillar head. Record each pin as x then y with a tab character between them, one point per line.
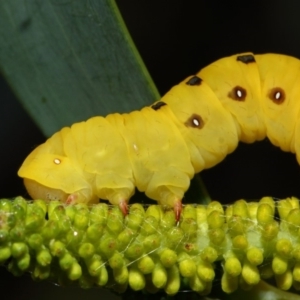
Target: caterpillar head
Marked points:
49	176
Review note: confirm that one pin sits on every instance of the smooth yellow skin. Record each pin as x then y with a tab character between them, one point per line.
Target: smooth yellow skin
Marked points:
159	151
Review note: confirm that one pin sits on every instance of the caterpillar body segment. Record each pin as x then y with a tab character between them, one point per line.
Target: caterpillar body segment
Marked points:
158	149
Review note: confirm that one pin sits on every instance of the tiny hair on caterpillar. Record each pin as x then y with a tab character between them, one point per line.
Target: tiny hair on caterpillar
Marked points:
244	97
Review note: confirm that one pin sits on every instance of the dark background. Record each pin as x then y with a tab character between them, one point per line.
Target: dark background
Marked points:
175	39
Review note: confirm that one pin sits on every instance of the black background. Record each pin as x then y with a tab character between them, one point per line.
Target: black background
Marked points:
175	39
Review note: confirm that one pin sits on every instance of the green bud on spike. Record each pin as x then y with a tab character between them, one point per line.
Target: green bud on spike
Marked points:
233	267
154	211
115	220
217	236
75	271
294	202
196	284
279	264
136	279
66	261
19	249
70	211
135	217
215	219
189	212
23	262
168	220
296	272
269	231
201	216
214	205
205	271
152	243
116	261
284	207
150	225
99	213
296	252
187	266
209	254
57	248
53	211
19	201
121	275
107	246
135	250
81	219
189	227
146	264
42	204
252	210
250	273
293	220
255	256
44	258
240	242
94	231
284	248
125	238
35	241
86	250
5	253
284	281
173	282
174	236
35	218
268	200
265	214
159	275
236	225
51	230
240	208
102	278
94	265
168	257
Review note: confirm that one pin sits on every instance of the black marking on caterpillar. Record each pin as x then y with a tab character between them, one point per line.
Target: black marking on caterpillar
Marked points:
195	80
158	105
246	59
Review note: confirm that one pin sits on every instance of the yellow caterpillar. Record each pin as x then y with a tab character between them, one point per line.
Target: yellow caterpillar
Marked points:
158	149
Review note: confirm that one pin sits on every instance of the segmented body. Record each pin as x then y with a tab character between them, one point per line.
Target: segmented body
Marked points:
158	149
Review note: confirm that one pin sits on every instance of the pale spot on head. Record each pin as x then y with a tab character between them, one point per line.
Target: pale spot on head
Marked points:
57	161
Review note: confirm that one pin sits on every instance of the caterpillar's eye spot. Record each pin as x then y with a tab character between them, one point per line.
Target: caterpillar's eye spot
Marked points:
194	121
238	93
158	105
57	161
195	80
277	95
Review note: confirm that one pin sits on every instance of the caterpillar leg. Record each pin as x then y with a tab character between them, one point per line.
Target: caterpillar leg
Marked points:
177	210
124	207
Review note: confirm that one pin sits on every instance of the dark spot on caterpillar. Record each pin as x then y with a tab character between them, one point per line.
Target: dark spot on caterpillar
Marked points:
194	121
238	93
158	105
246	59
195	80
277	95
